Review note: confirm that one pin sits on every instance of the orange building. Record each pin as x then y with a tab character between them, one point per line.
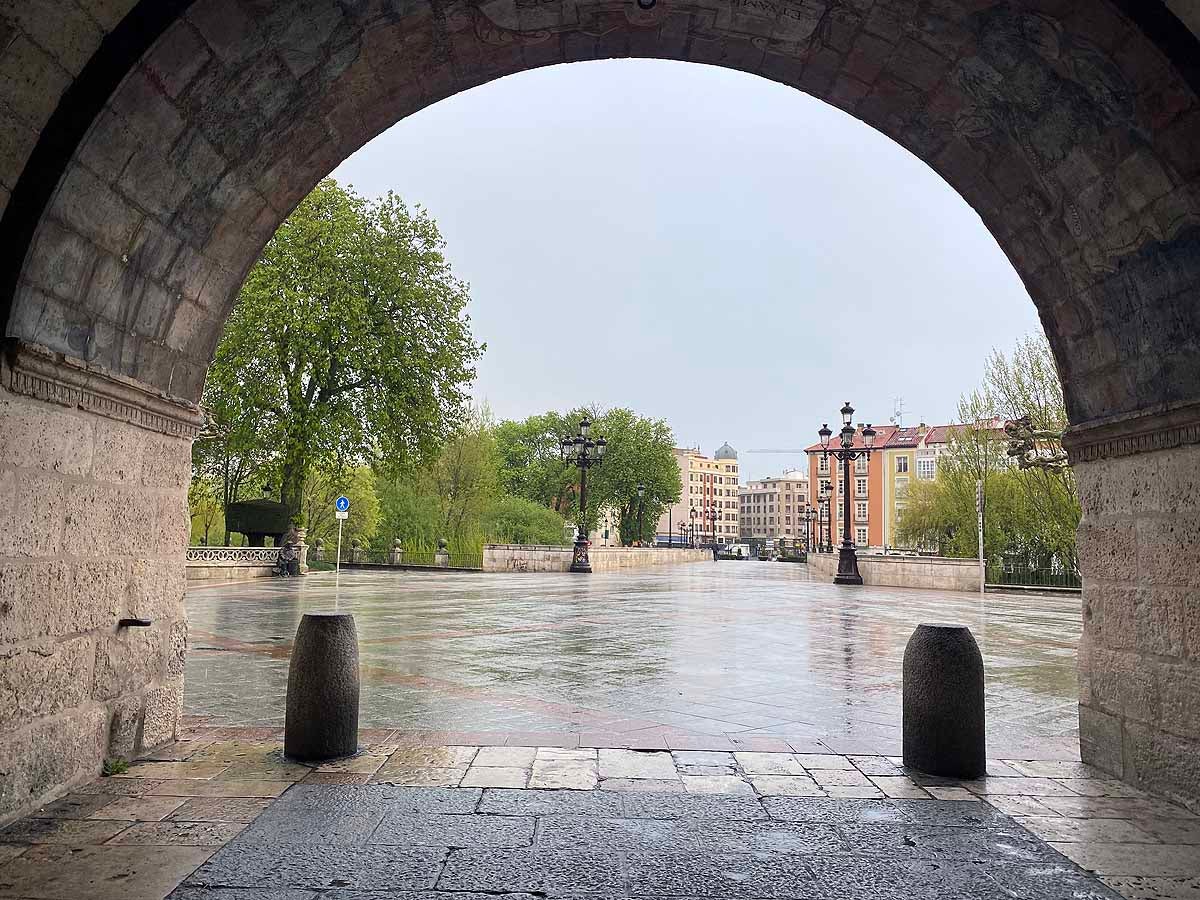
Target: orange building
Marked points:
864	494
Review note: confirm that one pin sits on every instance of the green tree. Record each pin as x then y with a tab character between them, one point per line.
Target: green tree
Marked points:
640	451
349	341
1030	513
530	462
515	520
321	490
204	505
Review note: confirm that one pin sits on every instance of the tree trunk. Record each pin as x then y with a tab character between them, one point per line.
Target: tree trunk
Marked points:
294	472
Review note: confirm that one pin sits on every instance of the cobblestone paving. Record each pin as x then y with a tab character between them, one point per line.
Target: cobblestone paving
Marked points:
215	818
732	655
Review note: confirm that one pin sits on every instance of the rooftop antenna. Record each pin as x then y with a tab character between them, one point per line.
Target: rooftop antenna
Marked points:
897	418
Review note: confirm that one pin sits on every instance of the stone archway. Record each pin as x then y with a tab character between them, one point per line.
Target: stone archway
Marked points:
157	145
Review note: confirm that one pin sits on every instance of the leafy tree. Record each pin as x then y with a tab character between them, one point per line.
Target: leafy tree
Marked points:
205	508
515	520
321	490
231	452
349	341
1029	513
530	462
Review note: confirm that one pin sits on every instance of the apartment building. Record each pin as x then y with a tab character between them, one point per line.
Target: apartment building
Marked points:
863	494
773	508
708	486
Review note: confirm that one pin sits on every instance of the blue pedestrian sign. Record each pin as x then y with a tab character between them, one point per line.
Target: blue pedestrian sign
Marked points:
342	503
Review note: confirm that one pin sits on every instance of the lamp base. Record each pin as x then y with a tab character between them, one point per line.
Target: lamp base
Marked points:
847	572
579	558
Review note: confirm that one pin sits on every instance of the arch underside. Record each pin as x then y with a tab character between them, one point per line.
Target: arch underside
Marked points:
1070	133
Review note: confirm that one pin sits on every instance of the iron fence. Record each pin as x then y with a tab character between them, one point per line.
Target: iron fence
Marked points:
414	559
1019	575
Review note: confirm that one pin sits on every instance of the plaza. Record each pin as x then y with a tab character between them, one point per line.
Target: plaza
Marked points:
706	656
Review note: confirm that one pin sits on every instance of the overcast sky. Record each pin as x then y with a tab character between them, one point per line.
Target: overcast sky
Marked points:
704	246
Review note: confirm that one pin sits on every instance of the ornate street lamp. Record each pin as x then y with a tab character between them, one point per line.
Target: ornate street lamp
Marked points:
847	572
683	534
810	516
583	452
692	515
712	515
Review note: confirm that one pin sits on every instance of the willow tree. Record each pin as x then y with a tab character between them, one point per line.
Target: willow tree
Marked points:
348	342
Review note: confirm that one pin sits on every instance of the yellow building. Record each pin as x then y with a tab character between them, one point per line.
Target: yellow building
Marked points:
709	487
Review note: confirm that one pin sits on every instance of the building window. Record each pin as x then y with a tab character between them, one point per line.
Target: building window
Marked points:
926	469
860	487
823	465
825	486
901	464
860	464
901	487
860	536
860	510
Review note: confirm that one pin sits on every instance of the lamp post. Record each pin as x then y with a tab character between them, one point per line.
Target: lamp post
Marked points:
711	514
810	515
641	491
583	452
683	534
692	516
847	572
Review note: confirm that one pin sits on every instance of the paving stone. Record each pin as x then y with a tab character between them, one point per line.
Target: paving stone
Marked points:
768	836
899	788
841	778
1060	828
878	878
897	812
431	758
646	785
876	765
568	774
703	758
420	777
1144	887
1114	808
1051	881
1171	831
945	842
187	769
305	866
506	757
1099	787
359	798
854	792
951	793
1051	768
60	831
179	834
1029	787
706	770
561	754
823	761
224	809
329	827
495	776
764	875
74	806
715	784
1176	860
785	786
361	764
139	809
551	803
99	873
636	764
120	787
769	763
203	893
693	806
446	830
608	834
553	872
196	788
1019	806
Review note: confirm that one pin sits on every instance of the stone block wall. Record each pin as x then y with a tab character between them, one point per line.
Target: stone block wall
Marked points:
529	558
1139	657
92	529
930	572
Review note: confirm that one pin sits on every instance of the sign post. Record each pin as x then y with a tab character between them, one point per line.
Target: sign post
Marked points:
341	509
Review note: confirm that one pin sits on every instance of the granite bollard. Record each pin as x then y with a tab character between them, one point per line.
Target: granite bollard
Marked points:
322	693
943	702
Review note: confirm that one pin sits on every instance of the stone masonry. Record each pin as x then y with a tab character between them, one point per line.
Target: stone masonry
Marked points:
91	531
150	149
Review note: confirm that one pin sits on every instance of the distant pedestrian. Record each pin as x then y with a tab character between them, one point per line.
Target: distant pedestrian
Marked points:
714	552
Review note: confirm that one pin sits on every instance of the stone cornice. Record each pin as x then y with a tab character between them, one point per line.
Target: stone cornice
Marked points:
34	371
1141	432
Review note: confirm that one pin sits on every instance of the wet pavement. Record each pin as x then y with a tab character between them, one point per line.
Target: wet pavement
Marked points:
215	817
708	656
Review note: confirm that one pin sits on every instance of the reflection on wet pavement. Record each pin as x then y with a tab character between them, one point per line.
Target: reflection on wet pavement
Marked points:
707	655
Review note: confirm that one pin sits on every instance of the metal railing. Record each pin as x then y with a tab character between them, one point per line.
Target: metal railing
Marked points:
1017	575
413	559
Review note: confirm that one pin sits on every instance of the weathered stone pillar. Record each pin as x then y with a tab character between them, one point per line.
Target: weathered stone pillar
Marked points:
318	550
442	557
323	689
396	555
94	473
1139	548
356	552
